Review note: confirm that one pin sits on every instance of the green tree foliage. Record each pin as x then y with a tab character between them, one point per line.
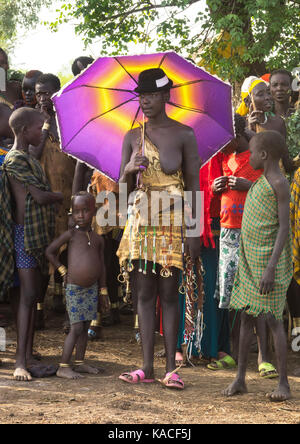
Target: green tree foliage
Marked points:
15	13
263	34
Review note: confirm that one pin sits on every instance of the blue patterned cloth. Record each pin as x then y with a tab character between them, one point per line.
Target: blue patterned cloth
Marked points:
82	302
22	259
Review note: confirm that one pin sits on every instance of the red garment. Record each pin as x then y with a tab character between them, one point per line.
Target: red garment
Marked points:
208	173
232	201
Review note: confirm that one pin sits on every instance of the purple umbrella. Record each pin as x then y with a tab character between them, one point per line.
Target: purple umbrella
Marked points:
99	106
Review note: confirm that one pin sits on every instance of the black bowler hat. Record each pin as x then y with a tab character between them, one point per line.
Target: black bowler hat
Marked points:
153	80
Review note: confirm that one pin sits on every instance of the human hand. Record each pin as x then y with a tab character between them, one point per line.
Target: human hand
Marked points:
239	183
256	117
45	113
137	163
267	281
220	184
59	197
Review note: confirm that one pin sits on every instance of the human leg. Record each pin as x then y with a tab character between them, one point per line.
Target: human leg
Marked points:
266	369
81	345
282	392
29	292
146	294
65	370
246	331
168	291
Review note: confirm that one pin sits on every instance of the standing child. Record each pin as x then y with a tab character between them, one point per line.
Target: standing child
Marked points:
265	264
84	278
234	184
27	222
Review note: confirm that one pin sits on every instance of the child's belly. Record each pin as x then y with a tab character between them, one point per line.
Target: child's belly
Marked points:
84	268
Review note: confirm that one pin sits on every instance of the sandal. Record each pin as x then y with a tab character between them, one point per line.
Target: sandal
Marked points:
137	377
172	380
222	364
267	371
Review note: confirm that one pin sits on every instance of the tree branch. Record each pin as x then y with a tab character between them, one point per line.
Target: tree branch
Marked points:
145	8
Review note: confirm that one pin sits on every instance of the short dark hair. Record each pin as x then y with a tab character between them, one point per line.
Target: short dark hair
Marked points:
33	73
23	116
274	143
83	194
282	71
85	61
49	78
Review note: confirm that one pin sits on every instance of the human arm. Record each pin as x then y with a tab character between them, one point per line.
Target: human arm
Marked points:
131	162
239	183
82	176
45	197
37	151
282	191
190	168
52	251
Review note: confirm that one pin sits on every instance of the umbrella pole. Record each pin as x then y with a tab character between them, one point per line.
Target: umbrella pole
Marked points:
143	151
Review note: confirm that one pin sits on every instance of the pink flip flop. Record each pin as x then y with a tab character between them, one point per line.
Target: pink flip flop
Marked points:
138	376
173	381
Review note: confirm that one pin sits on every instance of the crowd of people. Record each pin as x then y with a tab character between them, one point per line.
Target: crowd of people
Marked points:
214	295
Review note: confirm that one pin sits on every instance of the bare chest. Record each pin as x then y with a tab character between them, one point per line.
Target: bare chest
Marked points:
169	145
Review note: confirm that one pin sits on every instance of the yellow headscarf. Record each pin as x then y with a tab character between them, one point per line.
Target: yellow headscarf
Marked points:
247	87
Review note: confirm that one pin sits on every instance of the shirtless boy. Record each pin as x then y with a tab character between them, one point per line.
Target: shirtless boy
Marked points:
84	279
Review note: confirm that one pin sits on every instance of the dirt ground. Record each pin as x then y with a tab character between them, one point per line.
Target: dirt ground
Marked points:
104	399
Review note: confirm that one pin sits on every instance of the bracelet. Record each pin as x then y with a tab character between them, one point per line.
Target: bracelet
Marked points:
62	270
46	126
103	291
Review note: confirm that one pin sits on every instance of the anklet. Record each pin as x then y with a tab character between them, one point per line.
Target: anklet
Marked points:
63	365
77	363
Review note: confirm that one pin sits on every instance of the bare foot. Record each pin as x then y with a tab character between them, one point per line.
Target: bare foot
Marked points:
281	393
84	368
21	374
235	388
68	373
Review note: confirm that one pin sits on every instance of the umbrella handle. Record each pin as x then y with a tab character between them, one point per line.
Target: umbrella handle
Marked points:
143	152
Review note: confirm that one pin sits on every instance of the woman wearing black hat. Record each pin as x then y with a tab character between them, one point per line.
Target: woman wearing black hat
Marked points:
153	252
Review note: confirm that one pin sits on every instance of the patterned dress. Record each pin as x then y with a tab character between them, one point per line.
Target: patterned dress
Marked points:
259	231
159	242
295	221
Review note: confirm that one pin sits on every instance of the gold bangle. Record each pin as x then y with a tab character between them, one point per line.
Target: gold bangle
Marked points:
97	322
39	306
62	270
103	291
63	365
46	126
